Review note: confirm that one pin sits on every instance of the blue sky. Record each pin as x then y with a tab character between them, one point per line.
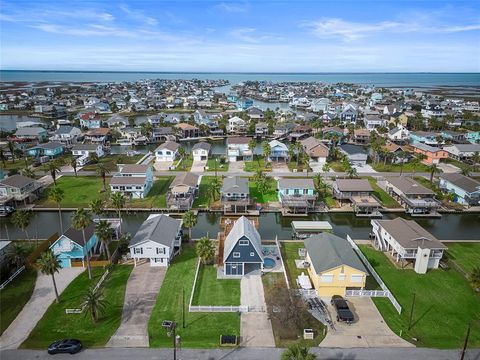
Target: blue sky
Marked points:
256	36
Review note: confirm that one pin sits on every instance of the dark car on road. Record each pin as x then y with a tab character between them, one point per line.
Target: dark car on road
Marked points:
69	346
343	311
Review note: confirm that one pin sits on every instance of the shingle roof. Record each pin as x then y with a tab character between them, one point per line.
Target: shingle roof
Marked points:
17	181
85	147
77	235
463	182
134	168
353	185
161	229
295	183
242	227
328	251
169	145
29	131
202	145
186	178
127	180
236	185
425	147
238	140
49	145
408	186
352	149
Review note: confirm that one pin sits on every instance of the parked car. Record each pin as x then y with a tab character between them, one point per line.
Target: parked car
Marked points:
70	346
343	311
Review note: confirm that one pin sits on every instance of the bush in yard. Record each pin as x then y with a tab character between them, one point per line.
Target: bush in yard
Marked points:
298	352
289	309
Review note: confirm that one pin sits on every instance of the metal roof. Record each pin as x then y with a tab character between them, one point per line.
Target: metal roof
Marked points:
242	227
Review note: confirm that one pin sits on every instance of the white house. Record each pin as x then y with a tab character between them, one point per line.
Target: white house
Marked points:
373	120
201	151
237	125
237	149
399	134
167	151
356	154
132	180
66	134
82	152
158	240
465	189
462	151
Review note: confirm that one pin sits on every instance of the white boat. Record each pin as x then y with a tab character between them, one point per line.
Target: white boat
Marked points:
124	142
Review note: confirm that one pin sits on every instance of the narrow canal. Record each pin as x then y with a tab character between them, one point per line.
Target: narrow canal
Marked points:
448	227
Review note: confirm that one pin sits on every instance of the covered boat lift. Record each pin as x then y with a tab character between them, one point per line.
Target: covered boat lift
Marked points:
303	229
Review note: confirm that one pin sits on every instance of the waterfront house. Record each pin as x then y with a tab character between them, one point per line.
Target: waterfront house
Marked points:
399	134
407	242
355	154
359	193
187	130
157	240
465	189
473	137
315	149
432	110
201	151
300	132
394	151
297	196
432	155
66	134
183	191
416	198
97	135
349	114
261	129
255	113
333	266
235	195
132	180
201	117
50	149
117	121
283	129
373	120
19	188
278	151
242	250
90	120
361	136
237	125
34	133
82	152
423	137
453	136
237	149
162	134
70	248
462	152
167	151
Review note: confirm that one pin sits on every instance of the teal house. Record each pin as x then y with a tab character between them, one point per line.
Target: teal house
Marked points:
473	137
50	149
70	247
296	195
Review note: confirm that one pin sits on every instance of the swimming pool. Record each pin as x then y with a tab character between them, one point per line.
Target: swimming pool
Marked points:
269	263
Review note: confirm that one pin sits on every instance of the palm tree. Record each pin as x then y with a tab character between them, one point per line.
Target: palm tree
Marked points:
299	148
28	173
17	253
352	172
82	219
182	152
189	221
118	202
475	277
213	190
319	184
97	206
306	163
72	161
146	129
3	158
94	303
326	167
102	171
433	170
475	160
57	194
49	264
297	352
93	157
402	155
205	249
21	219
11	147
53	167
466	170
104	234
415	162
251	145
267	150
291	151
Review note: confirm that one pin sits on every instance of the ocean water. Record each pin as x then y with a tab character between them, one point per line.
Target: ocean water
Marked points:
377	79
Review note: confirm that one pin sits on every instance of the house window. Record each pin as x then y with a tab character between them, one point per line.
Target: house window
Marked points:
161	251
137	250
236	254
252	254
328	278
138	187
243	242
357	278
305	191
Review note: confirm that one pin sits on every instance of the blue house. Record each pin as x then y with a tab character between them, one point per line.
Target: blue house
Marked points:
70	246
279	151
423	137
242	252
244	104
473	137
296	195
50	149
465	189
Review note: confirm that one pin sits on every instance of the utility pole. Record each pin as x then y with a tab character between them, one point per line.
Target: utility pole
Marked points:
464	350
183	307
411	313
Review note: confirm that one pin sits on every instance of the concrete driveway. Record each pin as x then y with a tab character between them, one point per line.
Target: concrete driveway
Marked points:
142	289
236	166
449	168
255	326
198	166
364	168
42	297
368	330
162	165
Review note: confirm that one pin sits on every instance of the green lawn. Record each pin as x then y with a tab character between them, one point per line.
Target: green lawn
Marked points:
380	194
290	254
202	200
293	165
336	166
78	191
156	197
257	164
14	297
408	167
184	164
466	255
220	167
270	195
111	161
216	292
445	304
202	330
19	164
55	324
457	163
429	185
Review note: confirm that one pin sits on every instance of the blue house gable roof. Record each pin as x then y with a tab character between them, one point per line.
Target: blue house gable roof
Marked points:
243	241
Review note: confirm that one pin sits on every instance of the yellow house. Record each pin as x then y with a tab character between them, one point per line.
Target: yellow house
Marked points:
334	267
401	119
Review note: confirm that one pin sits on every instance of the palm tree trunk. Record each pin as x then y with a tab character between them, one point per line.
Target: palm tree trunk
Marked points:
104	183
88	256
108	251
190	233
60	217
55	288
120	217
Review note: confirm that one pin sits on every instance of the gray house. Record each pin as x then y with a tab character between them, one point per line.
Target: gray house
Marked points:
235	195
356	154
242	251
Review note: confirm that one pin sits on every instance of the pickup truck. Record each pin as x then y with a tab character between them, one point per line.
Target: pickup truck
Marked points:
343	311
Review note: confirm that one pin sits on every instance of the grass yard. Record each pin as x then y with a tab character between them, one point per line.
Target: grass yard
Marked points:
336	166
19	164
111	161
290	254
202	330
466	255
184	164
380	194
14	297
459	164
220	167
156	197
407	167
78	191
257	164
293	165
288	335
202	200
55	324
270	195
445	304
211	291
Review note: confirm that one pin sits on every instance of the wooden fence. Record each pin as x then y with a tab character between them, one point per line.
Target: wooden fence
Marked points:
43	246
93	263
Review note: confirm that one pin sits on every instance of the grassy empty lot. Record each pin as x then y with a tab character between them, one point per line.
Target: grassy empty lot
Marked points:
184	164
156	197
290	254
55	324
270	195
466	255
257	164
14	297
216	292
111	161
445	304
220	167
380	194
202	200
408	167
202	330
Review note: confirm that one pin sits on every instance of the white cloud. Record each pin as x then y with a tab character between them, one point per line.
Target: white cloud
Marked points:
139	15
249	35
232	8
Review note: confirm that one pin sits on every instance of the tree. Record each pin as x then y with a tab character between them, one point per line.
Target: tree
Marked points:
213	190
49	264
306	163
414	163
97	206
104	234
466	170
267	150
57	194
82	219
402	155
21	219
291	151
475	277
11	147
28	173
16	254
299	148
53	167
320	185
326	167
146	129
182	152
352	172
94	303
189	221
297	352
93	157
72	161
475	160
433	170
118	202
3	158
251	145
205	250
102	171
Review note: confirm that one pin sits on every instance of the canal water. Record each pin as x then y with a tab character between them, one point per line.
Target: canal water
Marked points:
271	225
